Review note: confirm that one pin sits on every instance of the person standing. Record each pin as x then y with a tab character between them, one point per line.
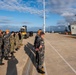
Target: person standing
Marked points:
6	40
16	41
40	50
1	43
12	42
20	39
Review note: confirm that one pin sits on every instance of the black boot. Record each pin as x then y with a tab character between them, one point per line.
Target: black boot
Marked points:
1	62
12	54
6	57
40	71
16	49
42	67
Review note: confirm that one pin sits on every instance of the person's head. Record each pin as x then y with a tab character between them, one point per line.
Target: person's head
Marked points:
12	33
39	31
0	31
42	34
17	33
20	32
7	31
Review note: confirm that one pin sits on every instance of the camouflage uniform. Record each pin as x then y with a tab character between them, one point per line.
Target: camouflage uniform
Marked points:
40	52
12	41
1	42
35	41
16	41
20	38
36	37
6	45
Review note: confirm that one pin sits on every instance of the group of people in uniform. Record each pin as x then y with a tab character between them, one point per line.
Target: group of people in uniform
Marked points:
10	42
40	50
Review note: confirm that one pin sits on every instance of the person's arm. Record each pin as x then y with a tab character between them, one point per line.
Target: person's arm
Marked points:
41	43
37	44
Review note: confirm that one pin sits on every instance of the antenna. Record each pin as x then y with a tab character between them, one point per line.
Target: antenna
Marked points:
44	15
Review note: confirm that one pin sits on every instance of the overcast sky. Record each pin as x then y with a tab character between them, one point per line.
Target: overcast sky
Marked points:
30	12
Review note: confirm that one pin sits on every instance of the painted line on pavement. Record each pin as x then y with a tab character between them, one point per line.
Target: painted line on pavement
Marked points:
28	68
45	69
61	56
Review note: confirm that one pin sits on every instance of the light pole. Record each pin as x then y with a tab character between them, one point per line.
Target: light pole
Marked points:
44	16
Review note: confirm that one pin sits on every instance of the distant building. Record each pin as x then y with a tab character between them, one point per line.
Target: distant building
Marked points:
73	28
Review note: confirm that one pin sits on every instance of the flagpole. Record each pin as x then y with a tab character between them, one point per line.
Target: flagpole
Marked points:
44	16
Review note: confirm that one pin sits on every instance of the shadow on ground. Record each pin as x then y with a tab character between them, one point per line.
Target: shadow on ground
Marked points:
11	66
30	52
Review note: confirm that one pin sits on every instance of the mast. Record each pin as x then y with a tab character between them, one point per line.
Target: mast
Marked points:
44	16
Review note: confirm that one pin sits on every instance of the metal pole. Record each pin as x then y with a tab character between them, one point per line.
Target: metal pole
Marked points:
44	15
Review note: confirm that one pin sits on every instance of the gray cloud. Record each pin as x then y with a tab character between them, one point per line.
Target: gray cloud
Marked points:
65	8
26	23
62	6
7	21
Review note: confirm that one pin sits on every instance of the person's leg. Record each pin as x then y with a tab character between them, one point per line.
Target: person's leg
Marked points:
0	57
39	61
6	54
12	49
39	68
37	56
42	57
1	60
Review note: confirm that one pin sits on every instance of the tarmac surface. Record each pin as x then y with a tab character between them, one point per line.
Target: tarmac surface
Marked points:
60	57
